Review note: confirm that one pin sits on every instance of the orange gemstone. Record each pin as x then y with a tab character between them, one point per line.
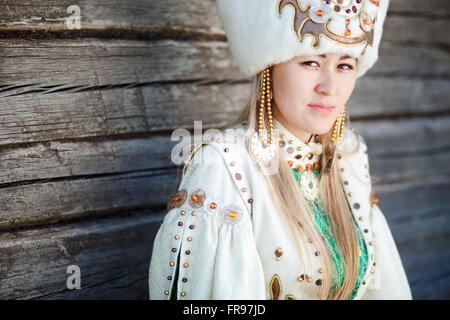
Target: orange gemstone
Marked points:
316	165
347	32
309	166
319	13
290	163
299	167
347	21
375	201
213	205
194	197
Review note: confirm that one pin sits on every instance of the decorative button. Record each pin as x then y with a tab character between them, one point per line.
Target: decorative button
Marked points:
188	252
183	212
238	176
191	226
189	239
169	277
361	218
186	265
319	282
183	294
172	264
371	243
184	280
174	249
177	237
180	224
301	278
166	293
197	198
278	253
356	205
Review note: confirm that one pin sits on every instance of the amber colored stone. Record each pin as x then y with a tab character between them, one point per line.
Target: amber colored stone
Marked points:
309	166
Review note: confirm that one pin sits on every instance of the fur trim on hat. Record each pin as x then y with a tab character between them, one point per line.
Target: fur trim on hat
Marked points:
262	33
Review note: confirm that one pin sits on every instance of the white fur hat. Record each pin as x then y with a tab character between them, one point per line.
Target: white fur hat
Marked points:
262	33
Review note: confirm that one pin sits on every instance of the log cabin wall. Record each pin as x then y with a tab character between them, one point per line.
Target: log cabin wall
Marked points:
86	117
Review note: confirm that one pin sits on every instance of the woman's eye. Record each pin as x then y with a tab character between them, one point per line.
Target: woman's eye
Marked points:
311	63
345	66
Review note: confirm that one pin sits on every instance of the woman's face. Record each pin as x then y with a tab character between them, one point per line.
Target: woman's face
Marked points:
310	91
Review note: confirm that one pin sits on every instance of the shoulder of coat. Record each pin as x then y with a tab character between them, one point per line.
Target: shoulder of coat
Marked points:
221	146
352	142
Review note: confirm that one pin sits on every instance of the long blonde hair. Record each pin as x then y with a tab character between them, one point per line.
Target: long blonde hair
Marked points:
288	199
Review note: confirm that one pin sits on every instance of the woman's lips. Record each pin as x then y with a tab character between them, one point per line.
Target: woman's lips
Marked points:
321	108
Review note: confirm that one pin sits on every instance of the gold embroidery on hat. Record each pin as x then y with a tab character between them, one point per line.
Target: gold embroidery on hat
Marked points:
303	26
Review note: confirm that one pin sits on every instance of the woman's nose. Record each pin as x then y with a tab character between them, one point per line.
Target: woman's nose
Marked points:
326	84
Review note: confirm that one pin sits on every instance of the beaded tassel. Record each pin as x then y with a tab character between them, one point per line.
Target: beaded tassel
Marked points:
265	97
338	128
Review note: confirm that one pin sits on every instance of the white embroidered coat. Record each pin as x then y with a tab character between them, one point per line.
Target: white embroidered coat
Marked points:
223	229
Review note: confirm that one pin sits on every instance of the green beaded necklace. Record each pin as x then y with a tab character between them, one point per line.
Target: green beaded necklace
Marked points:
322	224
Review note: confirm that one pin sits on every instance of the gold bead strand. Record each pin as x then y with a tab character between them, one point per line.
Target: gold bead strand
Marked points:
266	95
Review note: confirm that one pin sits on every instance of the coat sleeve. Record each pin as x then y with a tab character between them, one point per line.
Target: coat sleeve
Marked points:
205	248
389	281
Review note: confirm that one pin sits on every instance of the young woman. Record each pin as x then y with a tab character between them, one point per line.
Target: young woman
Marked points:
281	206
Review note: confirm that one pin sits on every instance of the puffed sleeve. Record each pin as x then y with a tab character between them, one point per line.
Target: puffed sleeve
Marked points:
205	248
390	281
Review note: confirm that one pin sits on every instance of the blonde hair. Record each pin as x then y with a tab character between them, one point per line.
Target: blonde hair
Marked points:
296	215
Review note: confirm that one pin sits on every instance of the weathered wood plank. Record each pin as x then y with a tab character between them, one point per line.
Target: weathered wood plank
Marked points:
59	200
90	63
196	14
97	63
113	255
420	7
56	159
405	152
102	14
404	137
416	29
39	117
410	60
428	269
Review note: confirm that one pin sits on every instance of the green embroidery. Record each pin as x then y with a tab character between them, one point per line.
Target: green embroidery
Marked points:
322	223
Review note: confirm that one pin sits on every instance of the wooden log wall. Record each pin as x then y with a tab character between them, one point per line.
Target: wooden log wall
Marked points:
86	117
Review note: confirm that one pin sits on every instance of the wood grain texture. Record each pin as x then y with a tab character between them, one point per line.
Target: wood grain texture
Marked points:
86	117
113	255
